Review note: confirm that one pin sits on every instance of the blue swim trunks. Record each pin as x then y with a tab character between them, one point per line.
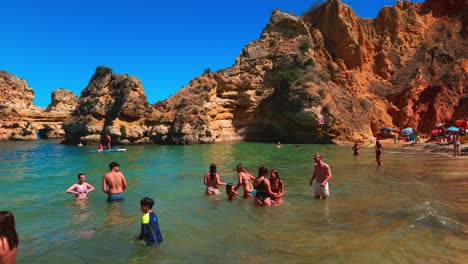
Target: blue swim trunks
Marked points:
115	197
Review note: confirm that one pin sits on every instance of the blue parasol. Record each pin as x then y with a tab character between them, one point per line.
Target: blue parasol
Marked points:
453	129
385	129
407	131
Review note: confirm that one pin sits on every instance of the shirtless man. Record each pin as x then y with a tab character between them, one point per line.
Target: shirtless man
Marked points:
116	182
245	179
322	174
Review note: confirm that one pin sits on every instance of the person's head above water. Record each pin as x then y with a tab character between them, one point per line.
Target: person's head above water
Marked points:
240	167
262	171
113	164
81	177
147	202
229	188
8	229
317	157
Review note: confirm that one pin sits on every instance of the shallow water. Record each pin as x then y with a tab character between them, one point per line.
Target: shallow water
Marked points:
414	210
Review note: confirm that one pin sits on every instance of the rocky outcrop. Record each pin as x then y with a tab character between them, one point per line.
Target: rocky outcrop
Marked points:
406	67
111	102
21	119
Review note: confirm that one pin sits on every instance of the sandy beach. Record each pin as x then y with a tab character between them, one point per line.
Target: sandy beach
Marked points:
430	147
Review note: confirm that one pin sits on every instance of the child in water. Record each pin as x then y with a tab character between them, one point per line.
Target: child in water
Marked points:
231	192
150	232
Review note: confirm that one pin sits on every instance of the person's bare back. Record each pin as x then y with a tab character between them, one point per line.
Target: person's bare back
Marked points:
116	182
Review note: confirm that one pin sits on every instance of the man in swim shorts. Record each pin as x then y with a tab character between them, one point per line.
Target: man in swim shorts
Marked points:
116	182
322	174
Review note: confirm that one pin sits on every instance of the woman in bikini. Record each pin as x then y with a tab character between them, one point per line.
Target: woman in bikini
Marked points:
277	186
211	180
81	188
262	185
245	180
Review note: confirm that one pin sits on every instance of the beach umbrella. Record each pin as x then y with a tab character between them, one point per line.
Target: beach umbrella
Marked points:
385	129
453	129
407	131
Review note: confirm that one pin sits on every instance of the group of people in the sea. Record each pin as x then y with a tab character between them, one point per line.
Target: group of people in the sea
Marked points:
267	188
114	185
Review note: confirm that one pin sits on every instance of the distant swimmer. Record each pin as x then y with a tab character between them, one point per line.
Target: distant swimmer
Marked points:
211	180
80	144
149	232
245	180
322	174
81	188
116	182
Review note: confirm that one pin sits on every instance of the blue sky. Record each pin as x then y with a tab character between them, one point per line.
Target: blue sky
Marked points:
58	43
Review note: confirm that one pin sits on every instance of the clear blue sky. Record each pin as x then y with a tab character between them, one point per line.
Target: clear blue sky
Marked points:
58	43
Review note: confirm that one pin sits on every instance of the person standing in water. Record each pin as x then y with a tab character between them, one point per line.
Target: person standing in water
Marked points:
262	185
378	153
9	240
211	180
355	149
277	186
245	179
116	182
456	145
81	188
149	232
322	174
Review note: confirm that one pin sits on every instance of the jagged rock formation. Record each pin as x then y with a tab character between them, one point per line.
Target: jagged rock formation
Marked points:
20	119
406	67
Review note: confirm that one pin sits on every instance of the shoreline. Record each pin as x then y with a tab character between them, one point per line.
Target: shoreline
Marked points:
408	147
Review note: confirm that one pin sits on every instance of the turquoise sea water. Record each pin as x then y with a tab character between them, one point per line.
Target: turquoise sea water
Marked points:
414	210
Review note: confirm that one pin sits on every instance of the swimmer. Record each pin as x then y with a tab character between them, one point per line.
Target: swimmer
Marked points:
8	238
81	188
116	182
231	192
322	174
262	184
277	186
245	179
150	232
211	180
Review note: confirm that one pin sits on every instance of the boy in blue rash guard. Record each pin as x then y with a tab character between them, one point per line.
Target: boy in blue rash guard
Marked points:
150	232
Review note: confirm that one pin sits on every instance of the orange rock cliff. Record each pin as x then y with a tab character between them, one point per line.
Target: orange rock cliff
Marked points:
406	67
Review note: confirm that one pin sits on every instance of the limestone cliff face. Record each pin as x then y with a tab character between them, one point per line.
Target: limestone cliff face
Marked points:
20	118
406	67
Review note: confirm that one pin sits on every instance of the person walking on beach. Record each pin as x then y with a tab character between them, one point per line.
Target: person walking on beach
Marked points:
456	146
322	174
116	182
211	180
149	232
378	153
245	180
81	188
8	238
355	149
